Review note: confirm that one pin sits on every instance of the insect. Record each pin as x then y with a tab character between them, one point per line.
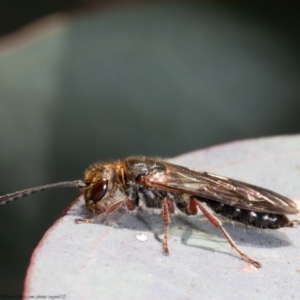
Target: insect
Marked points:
155	183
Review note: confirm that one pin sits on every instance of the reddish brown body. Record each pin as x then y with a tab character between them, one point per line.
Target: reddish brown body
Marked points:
155	183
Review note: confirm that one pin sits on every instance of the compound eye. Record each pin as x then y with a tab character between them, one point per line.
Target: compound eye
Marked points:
99	190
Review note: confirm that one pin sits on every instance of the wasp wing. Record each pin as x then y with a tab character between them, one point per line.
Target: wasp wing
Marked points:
225	190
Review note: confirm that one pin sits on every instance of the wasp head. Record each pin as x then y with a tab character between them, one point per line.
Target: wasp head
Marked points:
103	187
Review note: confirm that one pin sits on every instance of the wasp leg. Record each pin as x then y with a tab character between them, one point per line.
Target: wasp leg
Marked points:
167	208
217	223
129	204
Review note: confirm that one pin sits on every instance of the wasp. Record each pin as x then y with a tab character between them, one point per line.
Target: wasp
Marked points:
154	183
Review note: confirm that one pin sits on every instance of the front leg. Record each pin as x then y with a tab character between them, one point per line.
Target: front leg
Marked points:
129	204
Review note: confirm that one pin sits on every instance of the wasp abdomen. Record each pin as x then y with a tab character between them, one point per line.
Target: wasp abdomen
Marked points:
249	217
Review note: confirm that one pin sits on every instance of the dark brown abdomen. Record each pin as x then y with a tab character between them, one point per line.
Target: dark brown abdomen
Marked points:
249	217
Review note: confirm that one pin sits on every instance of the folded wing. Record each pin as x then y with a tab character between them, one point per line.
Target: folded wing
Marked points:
225	190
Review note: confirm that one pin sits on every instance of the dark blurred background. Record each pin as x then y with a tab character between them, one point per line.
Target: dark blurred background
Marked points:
107	79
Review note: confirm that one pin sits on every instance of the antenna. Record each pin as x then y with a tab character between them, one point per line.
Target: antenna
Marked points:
20	194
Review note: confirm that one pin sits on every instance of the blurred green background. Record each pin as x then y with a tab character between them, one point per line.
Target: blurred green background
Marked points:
106	79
